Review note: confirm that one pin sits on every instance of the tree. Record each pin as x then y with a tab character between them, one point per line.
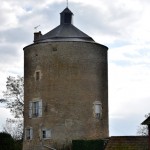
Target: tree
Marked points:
6	141
14	99
3	100
14	127
14	95
143	129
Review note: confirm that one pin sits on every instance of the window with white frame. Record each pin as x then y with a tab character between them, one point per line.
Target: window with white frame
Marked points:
46	133
97	109
35	109
28	133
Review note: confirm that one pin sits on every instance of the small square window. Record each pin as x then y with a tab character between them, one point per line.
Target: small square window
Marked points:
97	115
46	133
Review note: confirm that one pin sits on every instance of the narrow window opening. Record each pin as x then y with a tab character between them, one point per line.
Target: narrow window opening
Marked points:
46	133
35	109
37	75
28	134
97	109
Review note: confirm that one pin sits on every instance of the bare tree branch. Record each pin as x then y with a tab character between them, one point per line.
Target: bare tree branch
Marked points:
14	127
3	100
14	95
14	99
143	129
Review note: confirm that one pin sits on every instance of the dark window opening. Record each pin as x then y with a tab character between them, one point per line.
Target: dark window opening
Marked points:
67	18
37	76
44	134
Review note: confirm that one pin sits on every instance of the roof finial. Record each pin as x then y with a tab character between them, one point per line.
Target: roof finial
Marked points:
67	3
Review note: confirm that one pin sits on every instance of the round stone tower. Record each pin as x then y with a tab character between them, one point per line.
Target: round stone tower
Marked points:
65	87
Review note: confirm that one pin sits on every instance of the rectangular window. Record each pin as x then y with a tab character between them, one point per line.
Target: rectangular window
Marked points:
28	133
35	108
46	133
37	75
97	109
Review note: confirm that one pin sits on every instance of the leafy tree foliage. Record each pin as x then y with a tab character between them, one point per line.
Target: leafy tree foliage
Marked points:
14	127
143	129
14	99
14	95
3	100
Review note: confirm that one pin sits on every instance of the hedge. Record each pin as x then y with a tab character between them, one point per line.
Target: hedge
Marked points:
88	145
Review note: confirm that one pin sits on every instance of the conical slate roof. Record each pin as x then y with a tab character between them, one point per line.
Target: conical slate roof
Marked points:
66	31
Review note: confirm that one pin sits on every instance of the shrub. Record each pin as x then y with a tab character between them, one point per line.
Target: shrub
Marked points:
6	141
87	145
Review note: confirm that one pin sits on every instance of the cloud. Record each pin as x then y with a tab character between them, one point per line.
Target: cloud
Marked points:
3	117
129	84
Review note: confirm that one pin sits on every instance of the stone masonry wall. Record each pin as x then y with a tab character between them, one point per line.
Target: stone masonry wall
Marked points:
72	76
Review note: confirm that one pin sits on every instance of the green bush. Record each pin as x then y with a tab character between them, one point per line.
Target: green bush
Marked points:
6	141
87	145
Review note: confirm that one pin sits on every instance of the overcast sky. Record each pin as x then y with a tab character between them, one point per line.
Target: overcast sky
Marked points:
122	25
